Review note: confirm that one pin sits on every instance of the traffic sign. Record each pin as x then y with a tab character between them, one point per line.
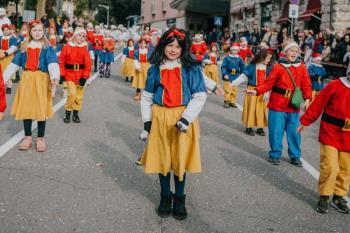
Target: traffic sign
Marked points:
218	21
293	11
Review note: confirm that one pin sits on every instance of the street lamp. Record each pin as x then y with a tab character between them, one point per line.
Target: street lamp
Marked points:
107	8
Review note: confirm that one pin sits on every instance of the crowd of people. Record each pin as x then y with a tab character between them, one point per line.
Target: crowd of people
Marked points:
172	74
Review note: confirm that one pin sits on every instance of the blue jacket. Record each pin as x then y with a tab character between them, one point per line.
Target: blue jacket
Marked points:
317	74
232	66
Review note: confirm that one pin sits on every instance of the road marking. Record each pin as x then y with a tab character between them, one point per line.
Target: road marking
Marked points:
7	146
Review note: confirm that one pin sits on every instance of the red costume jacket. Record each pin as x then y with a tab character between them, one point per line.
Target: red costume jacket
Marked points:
244	53
199	50
90	36
78	56
98	42
108	44
2	94
334	101
280	79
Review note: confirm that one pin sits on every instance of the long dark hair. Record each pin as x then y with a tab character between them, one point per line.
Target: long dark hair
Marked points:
260	56
158	56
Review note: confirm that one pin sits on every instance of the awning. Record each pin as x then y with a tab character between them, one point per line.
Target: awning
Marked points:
312	7
211	7
284	17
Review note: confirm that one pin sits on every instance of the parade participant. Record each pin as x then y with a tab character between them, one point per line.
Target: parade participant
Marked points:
53	37
211	59
173	98
3	19
23	34
66	38
107	55
334	137
97	45
254	108
231	68
2	97
90	33
142	65
8	46
289	83
317	74
75	66
198	49
64	29
127	61
33	96
244	50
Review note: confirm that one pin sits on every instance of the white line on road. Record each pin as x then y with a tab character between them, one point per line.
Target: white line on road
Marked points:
7	146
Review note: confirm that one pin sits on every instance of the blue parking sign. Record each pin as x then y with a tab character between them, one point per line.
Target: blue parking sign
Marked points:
218	21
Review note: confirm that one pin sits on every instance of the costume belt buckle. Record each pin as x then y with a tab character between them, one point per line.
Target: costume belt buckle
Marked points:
233	71
346	125
76	67
288	93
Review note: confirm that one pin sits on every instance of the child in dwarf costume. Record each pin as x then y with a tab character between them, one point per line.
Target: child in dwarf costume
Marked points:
53	38
284	117
244	50
97	45
33	101
317	74
198	48
90	33
211	59
142	65
174	96
107	55
231	68
8	46
66	38
127	61
333	102
255	107
2	96
75	65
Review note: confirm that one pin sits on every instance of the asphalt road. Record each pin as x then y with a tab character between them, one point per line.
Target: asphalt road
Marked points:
63	190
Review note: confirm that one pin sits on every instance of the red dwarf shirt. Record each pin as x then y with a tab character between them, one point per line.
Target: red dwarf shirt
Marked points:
98	42
280	78
2	94
90	36
333	100
244	53
199	50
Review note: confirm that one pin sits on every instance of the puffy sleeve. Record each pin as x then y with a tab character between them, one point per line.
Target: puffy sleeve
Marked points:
14	66
224	67
305	85
62	60
136	60
13	46
148	94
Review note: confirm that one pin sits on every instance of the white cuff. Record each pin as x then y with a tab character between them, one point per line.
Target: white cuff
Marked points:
123	59
10	70
11	50
146	106
240	79
207	61
195	106
209	83
54	71
137	65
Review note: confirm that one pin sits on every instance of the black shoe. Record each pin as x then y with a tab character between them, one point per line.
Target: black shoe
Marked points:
296	162
249	131
179	208
131	79
322	205
226	105
260	132
67	118
340	204
75	117
274	161
232	105
8	91
164	209
126	79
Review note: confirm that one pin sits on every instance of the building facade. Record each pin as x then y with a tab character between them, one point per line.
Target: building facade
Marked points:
313	14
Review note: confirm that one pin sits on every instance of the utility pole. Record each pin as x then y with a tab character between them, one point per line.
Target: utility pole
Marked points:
107	8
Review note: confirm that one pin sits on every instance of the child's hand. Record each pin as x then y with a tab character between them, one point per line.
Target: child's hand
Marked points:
306	104
144	135
300	129
182	125
1	116
226	77
250	92
219	91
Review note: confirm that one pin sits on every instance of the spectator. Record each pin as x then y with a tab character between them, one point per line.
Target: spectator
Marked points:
318	46
45	20
255	37
326	51
309	40
3	19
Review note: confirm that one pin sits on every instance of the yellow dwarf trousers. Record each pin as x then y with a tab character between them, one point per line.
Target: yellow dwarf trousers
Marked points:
212	71
75	97
334	171
230	95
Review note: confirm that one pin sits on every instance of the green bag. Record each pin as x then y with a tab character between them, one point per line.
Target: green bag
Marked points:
297	97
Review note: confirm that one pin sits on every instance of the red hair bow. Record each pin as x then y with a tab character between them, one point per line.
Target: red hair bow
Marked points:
177	33
34	23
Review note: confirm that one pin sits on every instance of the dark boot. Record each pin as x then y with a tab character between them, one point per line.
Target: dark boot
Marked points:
179	208
67	118
131	79
249	131
126	79
322	205
164	209
8	90
75	117
226	105
232	105
340	204
108	71
260	132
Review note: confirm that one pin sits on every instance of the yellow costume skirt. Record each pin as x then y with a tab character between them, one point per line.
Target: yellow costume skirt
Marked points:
212	71
167	148
33	98
141	76
5	62
254	111
315	94
128	68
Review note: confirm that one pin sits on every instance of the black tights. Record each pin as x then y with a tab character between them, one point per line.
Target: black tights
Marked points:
165	185
28	128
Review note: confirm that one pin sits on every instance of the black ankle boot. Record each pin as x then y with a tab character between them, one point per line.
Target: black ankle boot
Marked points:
131	79
126	79
179	208
164	209
67	118
249	131
75	117
260	132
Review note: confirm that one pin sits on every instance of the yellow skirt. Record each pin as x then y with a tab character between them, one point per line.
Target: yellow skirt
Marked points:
254	111
128	68
33	98
212	72
167	148
5	62
141	76
315	94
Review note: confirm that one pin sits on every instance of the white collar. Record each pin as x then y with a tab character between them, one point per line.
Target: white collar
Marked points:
170	64
345	81
143	50
131	48
213	54
231	55
6	37
71	43
318	65
35	44
260	66
289	65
